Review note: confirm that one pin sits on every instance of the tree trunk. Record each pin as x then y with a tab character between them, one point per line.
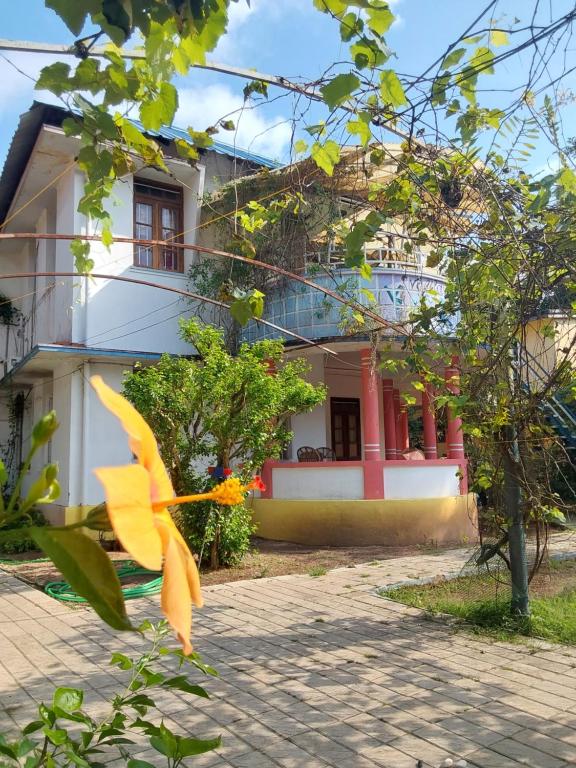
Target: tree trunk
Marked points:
520	603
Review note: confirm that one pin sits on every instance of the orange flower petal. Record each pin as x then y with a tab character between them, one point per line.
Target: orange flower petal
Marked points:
127	492
191	572
175	598
140	436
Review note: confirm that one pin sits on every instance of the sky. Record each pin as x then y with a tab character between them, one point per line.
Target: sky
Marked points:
281	37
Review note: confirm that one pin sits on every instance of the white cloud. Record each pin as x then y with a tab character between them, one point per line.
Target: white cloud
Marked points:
202	107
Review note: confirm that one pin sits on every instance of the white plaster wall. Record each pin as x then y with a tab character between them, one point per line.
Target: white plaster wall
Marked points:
115	315
415	481
333	482
311	428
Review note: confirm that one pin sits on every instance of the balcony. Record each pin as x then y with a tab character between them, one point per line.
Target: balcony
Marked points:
398	283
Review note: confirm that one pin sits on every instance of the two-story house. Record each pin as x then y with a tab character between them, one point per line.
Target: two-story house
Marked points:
57	331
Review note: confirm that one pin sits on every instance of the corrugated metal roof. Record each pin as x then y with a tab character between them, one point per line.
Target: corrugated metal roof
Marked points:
41	114
171	133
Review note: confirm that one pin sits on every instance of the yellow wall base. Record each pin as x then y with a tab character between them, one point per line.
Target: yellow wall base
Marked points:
367	522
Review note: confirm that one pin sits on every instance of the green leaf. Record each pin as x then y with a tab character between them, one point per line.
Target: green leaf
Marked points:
56	736
567	180
189	746
380	19
365	271
300	147
481	60
33	727
326	155
439	87
122	661
499	37
339	89
88	569
117	15
73	14
54	78
391	89
453	58
133	763
360	128
80	250
181	683
68	699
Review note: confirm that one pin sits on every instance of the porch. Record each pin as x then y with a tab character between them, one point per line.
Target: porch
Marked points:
396	473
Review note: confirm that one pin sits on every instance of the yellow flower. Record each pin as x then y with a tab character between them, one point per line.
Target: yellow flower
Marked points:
137	498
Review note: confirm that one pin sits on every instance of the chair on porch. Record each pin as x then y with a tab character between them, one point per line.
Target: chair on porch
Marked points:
326	454
307	453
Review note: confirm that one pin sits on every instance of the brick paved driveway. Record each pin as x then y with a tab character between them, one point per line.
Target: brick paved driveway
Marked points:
319	672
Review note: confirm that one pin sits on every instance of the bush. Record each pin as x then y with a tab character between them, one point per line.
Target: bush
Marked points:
207	526
14	539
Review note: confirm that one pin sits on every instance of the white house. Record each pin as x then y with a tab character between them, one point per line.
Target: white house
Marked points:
62	330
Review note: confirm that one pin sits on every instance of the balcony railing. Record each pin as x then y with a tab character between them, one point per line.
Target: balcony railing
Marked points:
381	256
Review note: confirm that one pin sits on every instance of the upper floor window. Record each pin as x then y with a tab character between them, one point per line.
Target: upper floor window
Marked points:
158	216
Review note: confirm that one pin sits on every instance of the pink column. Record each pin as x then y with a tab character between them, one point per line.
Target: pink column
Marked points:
370	408
389	418
371	466
398	425
429	423
454	437
404	431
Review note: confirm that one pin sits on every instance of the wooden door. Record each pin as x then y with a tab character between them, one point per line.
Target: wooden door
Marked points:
345	419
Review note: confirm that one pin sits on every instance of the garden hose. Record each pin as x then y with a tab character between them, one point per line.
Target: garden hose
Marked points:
61	590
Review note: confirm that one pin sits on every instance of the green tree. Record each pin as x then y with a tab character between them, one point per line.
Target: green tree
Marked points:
230	410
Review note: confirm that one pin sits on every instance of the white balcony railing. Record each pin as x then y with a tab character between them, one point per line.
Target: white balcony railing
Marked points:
381	256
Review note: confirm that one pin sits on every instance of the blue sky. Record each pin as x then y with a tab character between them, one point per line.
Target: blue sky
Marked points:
286	37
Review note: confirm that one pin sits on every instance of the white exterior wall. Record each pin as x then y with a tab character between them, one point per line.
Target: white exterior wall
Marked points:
116	315
318	482
416	481
311	428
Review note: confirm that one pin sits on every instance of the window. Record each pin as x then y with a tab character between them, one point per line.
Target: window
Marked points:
158	216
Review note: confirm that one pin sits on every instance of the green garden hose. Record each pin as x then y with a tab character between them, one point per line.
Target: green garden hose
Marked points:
61	590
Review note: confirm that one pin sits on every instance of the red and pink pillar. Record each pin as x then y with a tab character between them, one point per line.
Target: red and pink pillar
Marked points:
454	436
429	423
373	476
389	418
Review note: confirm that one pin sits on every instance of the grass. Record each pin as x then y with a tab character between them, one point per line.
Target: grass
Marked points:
553	604
318	570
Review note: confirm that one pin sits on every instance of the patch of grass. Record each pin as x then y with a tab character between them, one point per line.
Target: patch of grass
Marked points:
553	616
318	570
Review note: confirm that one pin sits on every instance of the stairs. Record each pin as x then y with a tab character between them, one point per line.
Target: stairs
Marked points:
558	413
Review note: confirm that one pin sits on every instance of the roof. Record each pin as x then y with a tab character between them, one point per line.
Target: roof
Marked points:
40	114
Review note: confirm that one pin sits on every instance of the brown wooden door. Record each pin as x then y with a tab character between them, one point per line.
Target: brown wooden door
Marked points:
345	419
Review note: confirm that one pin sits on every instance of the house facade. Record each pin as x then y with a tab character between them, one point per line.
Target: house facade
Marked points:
363	468
59	331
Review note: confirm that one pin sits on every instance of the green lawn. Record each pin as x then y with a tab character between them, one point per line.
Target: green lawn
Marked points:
484	605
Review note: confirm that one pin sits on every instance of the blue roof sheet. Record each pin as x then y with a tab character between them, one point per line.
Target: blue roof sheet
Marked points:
171	133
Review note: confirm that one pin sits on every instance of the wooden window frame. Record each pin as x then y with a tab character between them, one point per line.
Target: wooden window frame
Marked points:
157	202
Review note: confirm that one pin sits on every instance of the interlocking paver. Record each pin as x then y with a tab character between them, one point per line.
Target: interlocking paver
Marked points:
317	672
